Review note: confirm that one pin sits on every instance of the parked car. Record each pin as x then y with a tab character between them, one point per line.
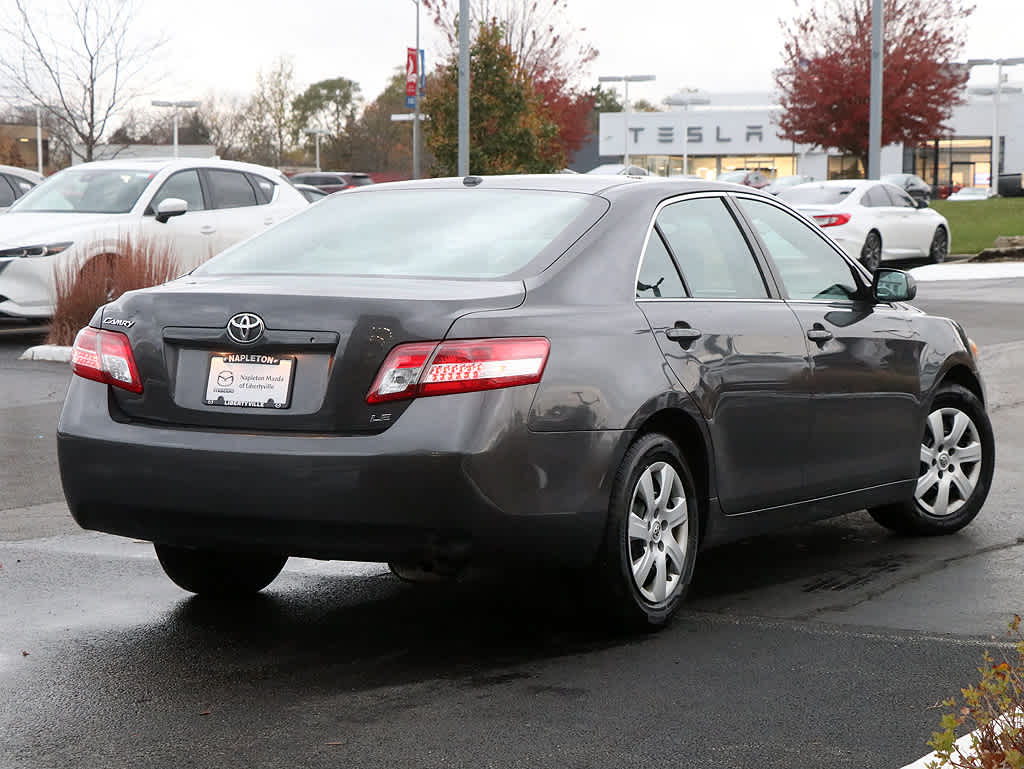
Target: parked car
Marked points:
15	182
747	177
333	181
580	370
196	207
971	193
310	193
618	169
913	185
783	182
873	221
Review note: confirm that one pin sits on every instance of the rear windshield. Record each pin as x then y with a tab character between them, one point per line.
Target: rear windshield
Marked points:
443	233
360	179
823	195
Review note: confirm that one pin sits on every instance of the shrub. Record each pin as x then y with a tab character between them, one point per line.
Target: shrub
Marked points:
130	263
993	711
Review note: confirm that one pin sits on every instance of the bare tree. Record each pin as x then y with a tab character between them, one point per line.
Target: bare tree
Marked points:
78	65
540	33
272	103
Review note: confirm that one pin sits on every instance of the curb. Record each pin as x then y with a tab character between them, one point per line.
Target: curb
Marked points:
50	352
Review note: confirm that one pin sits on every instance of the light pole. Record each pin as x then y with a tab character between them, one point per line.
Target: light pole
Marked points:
175	105
416	101
463	88
625	80
995	93
874	169
317	132
39	140
684	99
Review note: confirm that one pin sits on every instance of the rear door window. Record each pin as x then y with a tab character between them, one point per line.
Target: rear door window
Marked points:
658	278
264	188
230	189
712	253
875	197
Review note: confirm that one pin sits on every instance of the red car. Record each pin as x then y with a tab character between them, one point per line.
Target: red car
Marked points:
332	181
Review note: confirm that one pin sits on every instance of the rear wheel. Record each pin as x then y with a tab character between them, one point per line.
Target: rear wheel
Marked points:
871	252
939	249
651	535
957	457
218	573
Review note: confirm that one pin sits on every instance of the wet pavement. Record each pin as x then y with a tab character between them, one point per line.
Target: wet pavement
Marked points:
825	646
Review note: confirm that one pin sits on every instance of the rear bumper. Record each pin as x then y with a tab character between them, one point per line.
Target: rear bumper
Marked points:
456	476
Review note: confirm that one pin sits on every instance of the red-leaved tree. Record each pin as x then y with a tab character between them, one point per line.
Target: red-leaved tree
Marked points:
825	80
545	43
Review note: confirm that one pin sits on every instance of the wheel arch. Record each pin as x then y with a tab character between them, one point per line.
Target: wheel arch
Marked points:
689	432
961	374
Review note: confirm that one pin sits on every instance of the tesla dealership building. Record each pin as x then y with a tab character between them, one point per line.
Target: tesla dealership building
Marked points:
736	131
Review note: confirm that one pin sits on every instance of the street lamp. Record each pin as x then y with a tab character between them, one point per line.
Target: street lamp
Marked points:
995	93
317	132
175	105
626	80
684	99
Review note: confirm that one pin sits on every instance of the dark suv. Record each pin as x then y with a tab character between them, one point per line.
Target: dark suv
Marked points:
333	181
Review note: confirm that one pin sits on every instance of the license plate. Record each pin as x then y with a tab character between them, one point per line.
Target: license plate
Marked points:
249	380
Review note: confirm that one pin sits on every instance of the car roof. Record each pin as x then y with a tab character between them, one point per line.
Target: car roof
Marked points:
22	172
592	184
159	164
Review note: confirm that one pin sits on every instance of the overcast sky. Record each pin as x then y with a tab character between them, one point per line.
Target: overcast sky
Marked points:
723	45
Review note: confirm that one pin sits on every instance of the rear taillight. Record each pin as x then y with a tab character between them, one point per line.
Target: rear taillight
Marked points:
831	220
439	368
105	356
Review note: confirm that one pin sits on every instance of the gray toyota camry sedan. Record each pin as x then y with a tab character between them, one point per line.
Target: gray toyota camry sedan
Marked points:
603	373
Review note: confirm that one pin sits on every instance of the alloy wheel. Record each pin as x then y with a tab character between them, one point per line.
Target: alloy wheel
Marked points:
657	536
940	246
871	254
951	457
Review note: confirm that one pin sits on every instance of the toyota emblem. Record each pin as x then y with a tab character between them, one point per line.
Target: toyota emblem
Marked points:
245	328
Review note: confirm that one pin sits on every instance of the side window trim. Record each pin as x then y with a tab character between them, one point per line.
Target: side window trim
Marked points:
202	188
856	267
673	259
773	285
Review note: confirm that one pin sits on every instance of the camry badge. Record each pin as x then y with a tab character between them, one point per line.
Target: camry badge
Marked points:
245	328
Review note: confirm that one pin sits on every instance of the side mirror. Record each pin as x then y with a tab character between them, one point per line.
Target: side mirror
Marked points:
893	286
922	203
169	207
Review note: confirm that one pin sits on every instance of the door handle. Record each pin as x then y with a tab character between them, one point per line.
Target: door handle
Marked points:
682	334
819	335
269	220
207	229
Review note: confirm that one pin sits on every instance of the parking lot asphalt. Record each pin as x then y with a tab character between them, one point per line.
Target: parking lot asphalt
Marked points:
824	646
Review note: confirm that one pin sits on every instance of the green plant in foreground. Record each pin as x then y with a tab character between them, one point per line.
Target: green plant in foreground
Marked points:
993	711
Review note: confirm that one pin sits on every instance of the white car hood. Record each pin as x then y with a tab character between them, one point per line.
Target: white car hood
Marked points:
34	229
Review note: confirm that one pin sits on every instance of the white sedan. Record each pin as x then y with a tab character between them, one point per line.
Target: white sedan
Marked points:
873	221
194	207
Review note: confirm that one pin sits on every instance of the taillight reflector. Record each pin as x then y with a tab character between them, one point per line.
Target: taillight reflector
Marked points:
105	356
440	368
831	220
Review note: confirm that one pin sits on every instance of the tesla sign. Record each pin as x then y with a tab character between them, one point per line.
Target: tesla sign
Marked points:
707	132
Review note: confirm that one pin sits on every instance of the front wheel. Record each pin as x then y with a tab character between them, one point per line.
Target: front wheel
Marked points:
651	535
939	249
957	458
871	253
217	573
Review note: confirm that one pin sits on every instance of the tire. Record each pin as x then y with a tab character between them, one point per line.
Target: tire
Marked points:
939	249
638	542
871	252
963	429
219	574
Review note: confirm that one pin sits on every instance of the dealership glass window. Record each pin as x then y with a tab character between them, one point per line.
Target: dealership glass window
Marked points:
845	167
955	162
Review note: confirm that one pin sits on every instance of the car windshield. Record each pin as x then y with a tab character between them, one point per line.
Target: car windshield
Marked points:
440	233
816	194
87	191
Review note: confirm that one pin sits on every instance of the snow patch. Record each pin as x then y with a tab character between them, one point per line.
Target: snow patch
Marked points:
969	271
52	352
